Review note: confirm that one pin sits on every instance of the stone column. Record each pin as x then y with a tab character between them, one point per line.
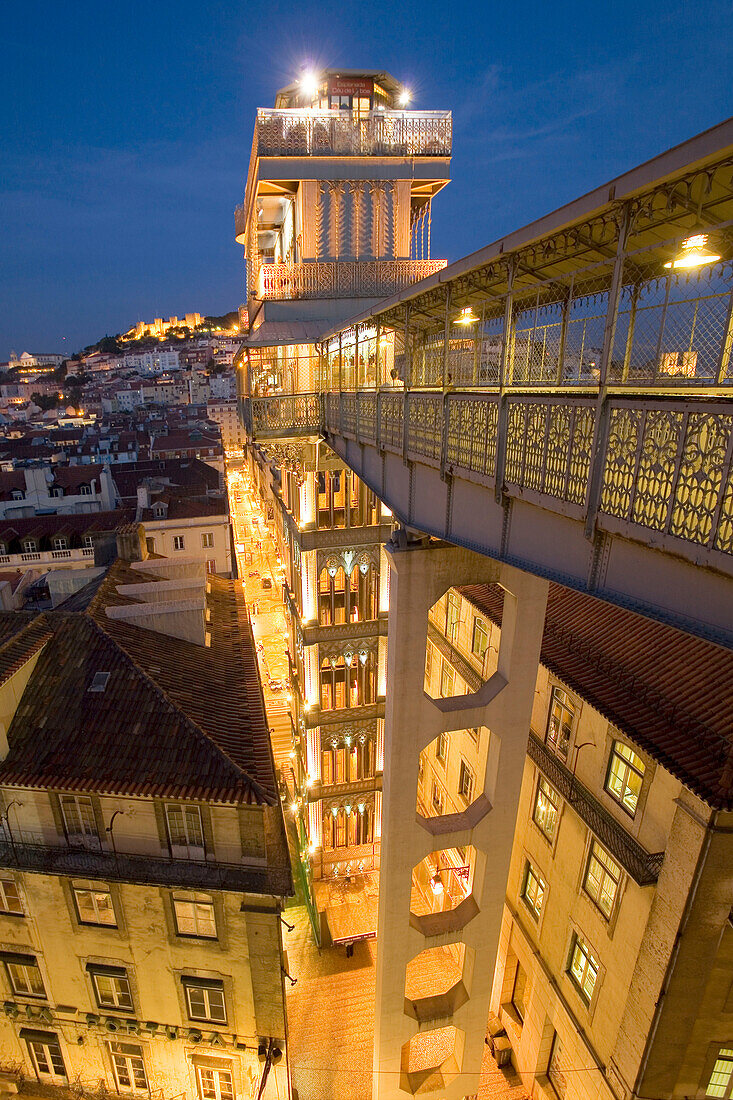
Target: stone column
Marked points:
420	573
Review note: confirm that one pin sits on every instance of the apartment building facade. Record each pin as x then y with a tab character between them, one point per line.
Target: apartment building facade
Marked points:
614	967
141	880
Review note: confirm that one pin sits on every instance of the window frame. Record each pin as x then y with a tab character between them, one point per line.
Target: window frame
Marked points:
554	743
4	908
195	900
556	1052
532	874
721	1054
207	540
186	811
480	626
128	1056
76	890
114	974
83	837
629	768
520	1005
206	986
550	838
605	874
27	963
591	963
466	773
179	539
47	1044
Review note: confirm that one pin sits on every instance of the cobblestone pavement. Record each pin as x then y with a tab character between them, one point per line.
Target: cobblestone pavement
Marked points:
331	1022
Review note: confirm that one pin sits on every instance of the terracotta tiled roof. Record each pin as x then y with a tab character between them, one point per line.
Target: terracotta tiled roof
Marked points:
81	523
175	719
668	691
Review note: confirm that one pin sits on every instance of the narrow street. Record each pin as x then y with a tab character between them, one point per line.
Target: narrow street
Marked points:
331	1005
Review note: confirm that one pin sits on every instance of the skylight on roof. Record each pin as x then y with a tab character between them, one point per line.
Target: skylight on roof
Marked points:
99	683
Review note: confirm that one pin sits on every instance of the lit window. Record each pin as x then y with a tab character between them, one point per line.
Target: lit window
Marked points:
546	808
625	776
129	1067
447	680
437	798
602	877
179	542
111	987
428	664
207	540
195	916
441	748
10	897
94	906
533	890
47	1058
722	1073
555	1068
480	640
25	976
560	722
214	1083
583	968
452	613
205	1000
466	781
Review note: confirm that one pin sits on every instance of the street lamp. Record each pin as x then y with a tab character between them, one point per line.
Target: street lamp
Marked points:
693	253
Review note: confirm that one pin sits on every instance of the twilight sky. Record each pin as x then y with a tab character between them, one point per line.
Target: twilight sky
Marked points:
126	129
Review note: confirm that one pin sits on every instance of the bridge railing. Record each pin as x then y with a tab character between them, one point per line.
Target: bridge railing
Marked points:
663	466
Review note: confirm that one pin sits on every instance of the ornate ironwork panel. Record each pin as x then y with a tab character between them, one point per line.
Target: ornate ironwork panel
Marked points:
368	416
425	425
390	420
294	132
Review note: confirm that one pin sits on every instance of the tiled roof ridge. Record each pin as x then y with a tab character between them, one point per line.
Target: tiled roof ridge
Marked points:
37	630
192	726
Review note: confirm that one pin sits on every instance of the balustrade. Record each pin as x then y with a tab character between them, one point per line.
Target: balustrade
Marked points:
341	278
299	132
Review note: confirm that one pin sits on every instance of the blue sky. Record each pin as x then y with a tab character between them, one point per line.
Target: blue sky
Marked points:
126	129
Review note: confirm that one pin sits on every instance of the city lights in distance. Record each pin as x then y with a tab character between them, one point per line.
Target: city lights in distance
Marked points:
693	252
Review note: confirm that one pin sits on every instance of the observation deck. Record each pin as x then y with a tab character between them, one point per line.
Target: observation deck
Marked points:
306	132
561	400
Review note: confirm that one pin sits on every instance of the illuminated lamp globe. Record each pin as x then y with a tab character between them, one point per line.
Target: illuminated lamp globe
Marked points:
436	884
309	85
466	317
693	253
404	97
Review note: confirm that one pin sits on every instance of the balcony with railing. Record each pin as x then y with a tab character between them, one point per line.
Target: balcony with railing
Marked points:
299	132
116	866
342	278
50	558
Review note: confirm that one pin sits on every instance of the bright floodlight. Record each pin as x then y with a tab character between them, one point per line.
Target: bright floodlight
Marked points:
694	253
405	97
309	84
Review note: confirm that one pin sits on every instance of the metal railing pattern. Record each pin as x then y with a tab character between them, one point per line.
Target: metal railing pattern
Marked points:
664	465
341	278
297	132
643	866
127	867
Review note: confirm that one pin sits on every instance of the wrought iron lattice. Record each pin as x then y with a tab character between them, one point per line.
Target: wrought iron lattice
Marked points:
367	408
341	278
294	132
391	413
472	433
643	866
425	425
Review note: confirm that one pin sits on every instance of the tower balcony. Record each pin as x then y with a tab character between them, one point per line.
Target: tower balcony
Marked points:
342	278
303	132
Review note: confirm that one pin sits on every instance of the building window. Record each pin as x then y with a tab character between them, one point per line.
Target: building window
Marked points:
111	987
555	1072
480	639
214	1083
94	905
30	546
447	680
546	808
602	878
520	984
625	776
441	748
24	975
560	722
88	542
61	543
194	915
79	820
17	494
129	1066
452	616
533	890
583	968
10	897
85	490
466	781
207	540
428	663
179	542
56	491
722	1073
46	1057
437	798
205	1000
185	832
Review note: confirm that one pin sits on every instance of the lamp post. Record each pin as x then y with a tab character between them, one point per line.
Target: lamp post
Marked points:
6	820
110	830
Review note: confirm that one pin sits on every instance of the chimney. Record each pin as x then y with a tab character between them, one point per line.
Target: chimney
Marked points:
143	499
